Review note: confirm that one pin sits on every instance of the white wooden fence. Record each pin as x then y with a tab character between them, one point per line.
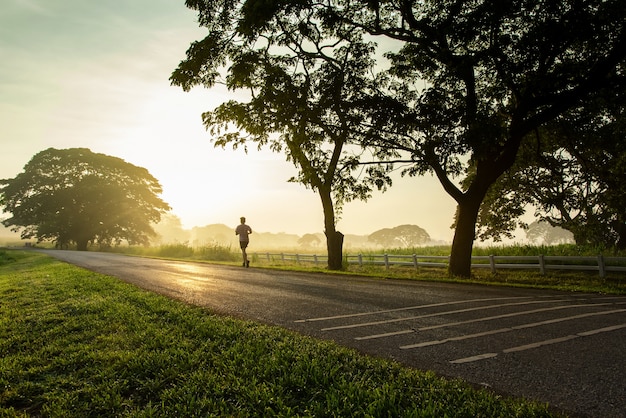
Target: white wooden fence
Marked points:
599	263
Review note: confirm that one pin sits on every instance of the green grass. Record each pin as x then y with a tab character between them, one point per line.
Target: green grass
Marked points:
80	344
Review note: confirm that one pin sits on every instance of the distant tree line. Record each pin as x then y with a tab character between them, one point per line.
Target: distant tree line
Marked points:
170	230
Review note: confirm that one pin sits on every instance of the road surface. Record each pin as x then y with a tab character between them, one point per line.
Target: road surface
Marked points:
567	349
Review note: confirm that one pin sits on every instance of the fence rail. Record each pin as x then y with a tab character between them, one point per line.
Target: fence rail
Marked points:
542	263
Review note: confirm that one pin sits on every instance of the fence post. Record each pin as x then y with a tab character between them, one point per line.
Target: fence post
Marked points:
387	261
360	260
297	259
492	263
415	262
282	257
601	267
315	259
542	265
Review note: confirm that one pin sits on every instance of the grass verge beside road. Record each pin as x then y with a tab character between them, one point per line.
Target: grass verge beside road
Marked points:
77	343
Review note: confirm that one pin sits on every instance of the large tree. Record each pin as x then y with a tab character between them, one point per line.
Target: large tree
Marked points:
307	86
573	172
75	196
477	78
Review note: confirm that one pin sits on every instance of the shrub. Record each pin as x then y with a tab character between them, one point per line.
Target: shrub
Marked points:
175	250
216	252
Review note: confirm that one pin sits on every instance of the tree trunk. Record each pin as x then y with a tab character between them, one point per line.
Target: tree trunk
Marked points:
580	237
621	237
464	235
81	245
334	238
487	173
334	245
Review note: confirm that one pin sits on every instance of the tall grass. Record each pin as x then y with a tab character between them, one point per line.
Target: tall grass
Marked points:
509	250
79	344
208	252
175	250
217	252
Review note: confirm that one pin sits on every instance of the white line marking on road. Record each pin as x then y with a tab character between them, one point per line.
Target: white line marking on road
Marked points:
540	344
620	298
406	308
474	358
387	334
601	330
459	338
533	324
509	315
507	329
567	318
410	318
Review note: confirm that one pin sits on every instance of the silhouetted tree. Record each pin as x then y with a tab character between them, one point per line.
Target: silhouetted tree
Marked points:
573	172
307	83
170	229
492	72
215	234
77	196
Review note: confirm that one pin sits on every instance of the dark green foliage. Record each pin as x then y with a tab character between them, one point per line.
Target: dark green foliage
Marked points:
573	172
495	72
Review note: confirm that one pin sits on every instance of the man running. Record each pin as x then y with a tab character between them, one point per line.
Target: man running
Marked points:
244	231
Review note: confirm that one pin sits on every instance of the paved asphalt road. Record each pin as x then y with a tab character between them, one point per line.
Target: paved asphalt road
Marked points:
567	349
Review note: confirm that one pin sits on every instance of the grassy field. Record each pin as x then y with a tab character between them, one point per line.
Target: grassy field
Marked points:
79	344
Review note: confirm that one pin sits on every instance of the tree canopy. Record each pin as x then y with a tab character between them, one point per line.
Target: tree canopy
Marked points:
573	172
75	196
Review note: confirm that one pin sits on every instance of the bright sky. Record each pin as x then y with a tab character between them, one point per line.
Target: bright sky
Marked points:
92	74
